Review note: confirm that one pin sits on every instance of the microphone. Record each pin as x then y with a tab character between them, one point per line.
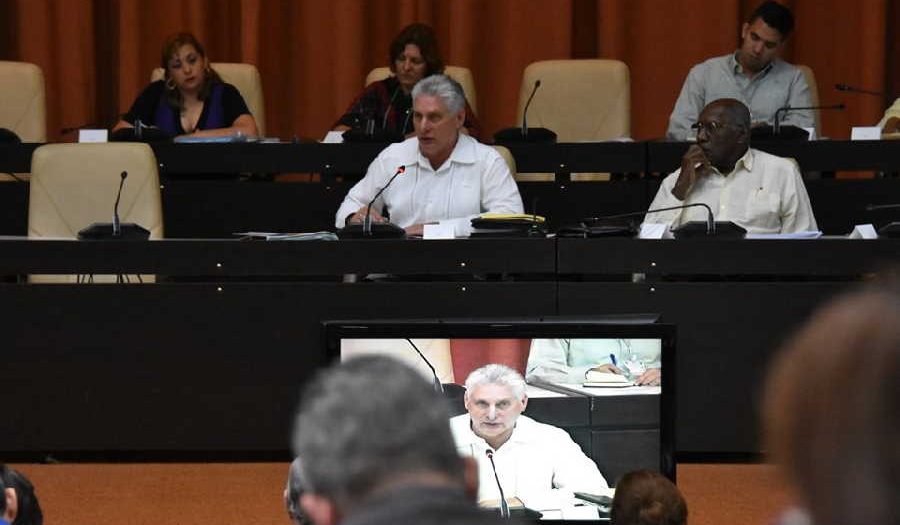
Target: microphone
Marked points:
438	387
776	128
115	230
537	84
877	207
853	89
367	222
504	506
116	225
537	135
368	230
691	229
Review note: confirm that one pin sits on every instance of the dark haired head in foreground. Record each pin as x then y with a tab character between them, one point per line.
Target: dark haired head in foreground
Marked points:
832	410
20	505
375	444
645	497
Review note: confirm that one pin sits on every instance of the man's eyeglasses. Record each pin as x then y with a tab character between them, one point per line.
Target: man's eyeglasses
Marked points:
711	128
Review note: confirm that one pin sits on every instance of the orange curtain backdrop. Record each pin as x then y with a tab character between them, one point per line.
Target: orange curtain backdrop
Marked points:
469	354
314	54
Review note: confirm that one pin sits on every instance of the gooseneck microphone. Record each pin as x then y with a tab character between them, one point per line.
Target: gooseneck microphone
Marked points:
526	134
854	89
877	207
537	84
710	221
504	506
438	387
116	225
115	230
776	126
367	221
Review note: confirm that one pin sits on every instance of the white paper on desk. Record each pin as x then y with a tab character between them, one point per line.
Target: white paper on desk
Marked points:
438	231
863	231
333	137
651	230
796	235
865	133
93	135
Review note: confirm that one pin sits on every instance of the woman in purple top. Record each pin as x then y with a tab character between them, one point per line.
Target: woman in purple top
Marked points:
192	99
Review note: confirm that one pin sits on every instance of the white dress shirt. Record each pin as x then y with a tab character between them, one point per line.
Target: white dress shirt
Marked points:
764	194
567	360
778	85
539	464
473	180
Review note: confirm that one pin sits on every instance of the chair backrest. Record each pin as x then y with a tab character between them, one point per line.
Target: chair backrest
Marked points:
578	99
508	157
813	93
245	77
463	75
75	185
22	101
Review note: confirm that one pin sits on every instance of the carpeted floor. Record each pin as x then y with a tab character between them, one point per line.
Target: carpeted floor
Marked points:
251	493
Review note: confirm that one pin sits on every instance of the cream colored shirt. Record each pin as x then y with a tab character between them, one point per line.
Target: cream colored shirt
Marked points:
764	194
893	111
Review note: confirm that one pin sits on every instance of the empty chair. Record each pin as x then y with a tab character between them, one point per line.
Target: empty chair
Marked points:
75	185
460	74
22	101
813	94
245	77
580	100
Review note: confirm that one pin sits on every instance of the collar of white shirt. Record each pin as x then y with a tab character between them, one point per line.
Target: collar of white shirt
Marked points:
463	153
746	161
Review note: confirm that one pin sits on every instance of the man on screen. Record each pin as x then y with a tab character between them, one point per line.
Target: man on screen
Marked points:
447	176
753	74
536	463
761	192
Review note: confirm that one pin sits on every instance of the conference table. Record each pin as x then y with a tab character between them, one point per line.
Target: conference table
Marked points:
210	357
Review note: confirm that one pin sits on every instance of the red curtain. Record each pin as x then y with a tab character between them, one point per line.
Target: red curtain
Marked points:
469	354
313	54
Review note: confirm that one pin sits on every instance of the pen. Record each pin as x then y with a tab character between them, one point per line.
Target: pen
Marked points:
612	357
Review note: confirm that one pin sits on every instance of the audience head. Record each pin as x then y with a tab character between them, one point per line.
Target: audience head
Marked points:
414	55
723	132
645	497
367	424
292	493
20	505
763	35
439	112
186	67
832	410
495	397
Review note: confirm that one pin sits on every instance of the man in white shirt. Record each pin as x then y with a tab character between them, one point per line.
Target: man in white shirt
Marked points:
536	463
753	74
761	192
447	176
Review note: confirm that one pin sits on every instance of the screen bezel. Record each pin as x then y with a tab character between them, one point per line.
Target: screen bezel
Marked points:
620	326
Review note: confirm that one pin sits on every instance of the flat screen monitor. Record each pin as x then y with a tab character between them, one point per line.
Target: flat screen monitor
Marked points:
619	426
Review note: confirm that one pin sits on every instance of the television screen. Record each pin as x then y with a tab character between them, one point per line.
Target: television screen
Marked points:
608	382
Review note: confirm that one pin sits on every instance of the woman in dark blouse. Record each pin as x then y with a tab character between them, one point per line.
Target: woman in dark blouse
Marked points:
387	103
192	99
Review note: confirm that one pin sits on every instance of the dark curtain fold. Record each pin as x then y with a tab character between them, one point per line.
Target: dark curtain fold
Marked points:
313	54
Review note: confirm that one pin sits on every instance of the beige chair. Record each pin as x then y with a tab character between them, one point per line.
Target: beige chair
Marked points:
580	100
813	94
22	101
75	185
508	157
23	106
460	74
245	77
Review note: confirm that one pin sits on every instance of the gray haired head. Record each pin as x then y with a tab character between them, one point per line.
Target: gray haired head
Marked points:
292	493
495	374
445	88
367	421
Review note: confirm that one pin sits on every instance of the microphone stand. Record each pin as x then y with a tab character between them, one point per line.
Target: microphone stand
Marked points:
504	506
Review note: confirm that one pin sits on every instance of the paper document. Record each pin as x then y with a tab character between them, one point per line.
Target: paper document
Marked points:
303	236
797	235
